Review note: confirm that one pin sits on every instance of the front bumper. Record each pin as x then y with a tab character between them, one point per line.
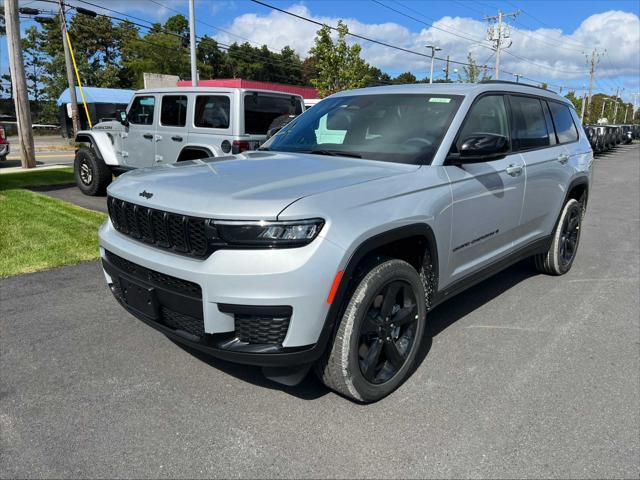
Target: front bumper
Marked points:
232	282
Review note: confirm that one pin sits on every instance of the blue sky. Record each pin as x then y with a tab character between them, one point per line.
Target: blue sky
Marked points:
549	37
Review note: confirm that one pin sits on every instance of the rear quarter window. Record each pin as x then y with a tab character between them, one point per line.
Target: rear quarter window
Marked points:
565	128
212	111
260	110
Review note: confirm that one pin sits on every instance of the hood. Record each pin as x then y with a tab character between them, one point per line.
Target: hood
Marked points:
252	186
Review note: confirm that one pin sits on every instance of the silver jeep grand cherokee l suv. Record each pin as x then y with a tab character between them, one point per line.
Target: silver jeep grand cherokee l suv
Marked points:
329	245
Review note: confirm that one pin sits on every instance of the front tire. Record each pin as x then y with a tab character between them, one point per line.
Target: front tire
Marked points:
564	246
379	334
92	175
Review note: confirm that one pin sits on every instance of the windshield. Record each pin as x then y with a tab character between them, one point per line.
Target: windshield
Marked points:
403	128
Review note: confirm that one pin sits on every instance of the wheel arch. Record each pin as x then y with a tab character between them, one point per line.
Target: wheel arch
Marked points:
189	152
578	190
363	253
87	138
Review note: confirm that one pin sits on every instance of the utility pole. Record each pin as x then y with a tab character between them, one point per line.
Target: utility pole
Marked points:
192	43
517	75
446	71
604	102
635	107
75	118
615	112
19	84
497	32
434	49
584	100
626	110
595	58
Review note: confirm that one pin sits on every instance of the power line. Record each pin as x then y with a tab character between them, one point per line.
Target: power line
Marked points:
355	35
450	32
545	25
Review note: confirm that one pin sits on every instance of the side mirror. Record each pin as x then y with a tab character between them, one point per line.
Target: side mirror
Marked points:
483	147
122	116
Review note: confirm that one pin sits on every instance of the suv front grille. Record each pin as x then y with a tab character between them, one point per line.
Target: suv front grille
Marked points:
178	233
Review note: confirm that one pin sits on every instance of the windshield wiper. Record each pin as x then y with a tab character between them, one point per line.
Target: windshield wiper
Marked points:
334	153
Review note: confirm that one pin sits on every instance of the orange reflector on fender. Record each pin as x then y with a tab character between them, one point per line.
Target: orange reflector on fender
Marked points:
334	287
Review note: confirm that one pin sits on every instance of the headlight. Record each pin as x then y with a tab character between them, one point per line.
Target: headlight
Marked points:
269	234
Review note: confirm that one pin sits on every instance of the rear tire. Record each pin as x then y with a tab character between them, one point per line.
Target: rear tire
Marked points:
564	246
92	175
379	334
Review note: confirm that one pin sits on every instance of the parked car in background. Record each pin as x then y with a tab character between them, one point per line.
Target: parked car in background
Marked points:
5	148
328	247
168	125
592	135
627	134
610	137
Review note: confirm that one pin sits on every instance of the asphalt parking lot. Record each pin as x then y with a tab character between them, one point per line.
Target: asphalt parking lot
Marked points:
525	375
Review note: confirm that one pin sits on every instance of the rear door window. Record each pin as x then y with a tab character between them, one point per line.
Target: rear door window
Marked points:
212	111
141	111
529	124
173	111
565	128
260	110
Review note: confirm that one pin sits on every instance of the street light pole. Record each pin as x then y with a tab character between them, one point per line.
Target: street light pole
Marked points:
434	49
192	43
604	102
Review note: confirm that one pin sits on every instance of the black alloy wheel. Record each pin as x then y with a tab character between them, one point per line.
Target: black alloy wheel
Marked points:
388	332
569	236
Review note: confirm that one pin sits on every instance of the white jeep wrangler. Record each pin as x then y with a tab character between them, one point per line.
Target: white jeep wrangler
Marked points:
190	123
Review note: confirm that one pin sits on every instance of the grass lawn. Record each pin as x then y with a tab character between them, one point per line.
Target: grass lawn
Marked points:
38	232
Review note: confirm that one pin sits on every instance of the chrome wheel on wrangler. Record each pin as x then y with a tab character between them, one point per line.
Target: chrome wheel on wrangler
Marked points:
92	174
379	333
86	175
388	332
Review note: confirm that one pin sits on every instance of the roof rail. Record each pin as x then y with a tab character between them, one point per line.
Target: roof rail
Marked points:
517	83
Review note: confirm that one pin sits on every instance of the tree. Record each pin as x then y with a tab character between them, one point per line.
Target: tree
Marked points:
577	102
34	62
406	77
211	59
338	65
471	71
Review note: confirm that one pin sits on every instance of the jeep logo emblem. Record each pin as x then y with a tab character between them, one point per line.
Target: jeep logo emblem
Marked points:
146	194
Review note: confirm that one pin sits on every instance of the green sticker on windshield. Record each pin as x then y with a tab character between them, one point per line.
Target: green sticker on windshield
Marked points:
439	100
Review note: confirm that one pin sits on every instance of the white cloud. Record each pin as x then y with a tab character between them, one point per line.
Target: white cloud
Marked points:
549	53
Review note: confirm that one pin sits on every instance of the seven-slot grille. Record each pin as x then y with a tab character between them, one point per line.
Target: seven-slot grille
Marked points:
171	231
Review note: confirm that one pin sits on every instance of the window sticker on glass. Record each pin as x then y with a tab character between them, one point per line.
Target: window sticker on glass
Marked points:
439	100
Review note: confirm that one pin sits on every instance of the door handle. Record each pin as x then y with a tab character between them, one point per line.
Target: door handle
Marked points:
148	136
176	138
514	170
562	158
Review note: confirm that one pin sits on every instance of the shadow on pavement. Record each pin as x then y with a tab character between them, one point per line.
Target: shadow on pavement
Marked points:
438	320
